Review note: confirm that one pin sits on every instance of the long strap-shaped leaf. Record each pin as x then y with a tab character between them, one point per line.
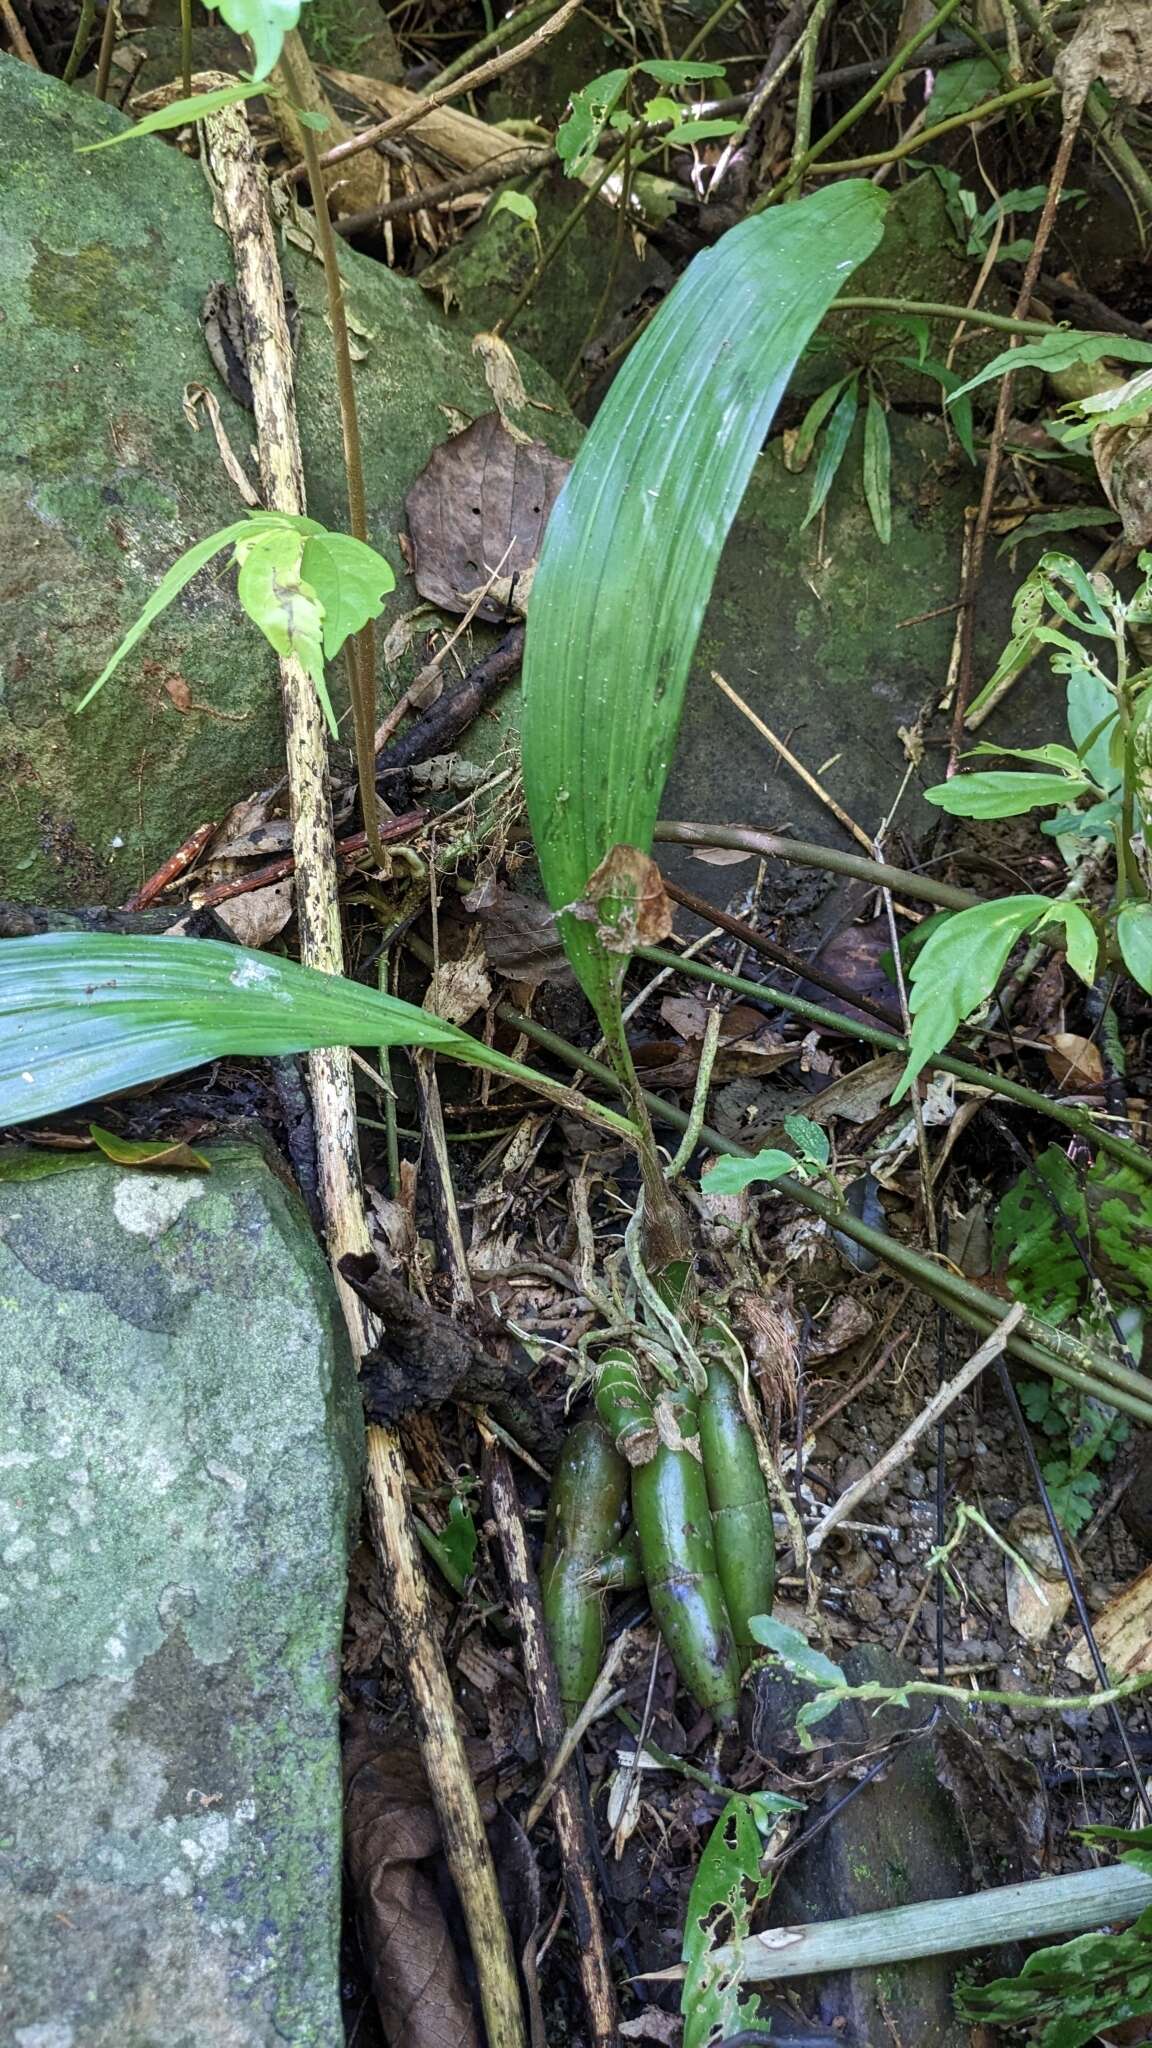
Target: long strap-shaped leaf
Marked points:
633	541
83	1016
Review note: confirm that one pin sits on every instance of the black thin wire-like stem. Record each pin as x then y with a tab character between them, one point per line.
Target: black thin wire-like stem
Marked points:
1073	1583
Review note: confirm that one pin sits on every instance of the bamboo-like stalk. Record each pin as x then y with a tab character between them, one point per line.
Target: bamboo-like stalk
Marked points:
940	1927
240	179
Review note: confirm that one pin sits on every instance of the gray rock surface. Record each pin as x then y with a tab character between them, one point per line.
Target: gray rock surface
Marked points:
179	1461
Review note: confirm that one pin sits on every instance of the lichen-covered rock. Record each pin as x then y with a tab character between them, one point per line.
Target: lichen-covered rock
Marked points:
104	263
179	1460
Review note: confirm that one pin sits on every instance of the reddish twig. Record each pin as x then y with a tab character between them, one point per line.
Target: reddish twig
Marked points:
176	865
346	849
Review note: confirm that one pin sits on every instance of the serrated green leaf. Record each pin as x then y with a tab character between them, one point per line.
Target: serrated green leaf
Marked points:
878	468
169	587
1062	350
1134	938
725	1888
83	1016
584	123
1042	1266
731	1176
180	113
264	22
1007	795
631	548
795	1651
351	582
833	448
958	968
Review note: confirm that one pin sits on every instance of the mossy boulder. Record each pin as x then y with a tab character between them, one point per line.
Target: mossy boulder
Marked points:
104	262
180	1456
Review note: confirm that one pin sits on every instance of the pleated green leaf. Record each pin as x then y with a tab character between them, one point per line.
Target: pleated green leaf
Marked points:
632	545
83	1016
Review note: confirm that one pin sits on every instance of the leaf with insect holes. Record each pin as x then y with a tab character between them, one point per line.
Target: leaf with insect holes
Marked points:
181	113
166	591
811	1142
265	22
632	545
727	1886
1065	349
878	468
351	582
833	448
83	1016
961	961
1005	795
587	116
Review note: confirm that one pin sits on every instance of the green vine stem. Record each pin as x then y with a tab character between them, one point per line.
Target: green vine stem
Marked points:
361	651
186	47
936	309
868	99
1074	1119
1040	89
561	236
806	853
79	41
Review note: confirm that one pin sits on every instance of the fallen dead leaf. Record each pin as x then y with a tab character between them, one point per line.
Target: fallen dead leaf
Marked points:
1039	1597
845	1322
520	936
652	2025
1074	1061
720	856
1123	1632
155	1154
259	914
391	1836
626	900
459	988
1113	43
480	505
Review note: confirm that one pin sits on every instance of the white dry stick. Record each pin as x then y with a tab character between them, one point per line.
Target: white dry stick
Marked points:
901	1450
242	186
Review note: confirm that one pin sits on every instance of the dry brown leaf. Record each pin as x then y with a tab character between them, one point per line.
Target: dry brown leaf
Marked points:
1123	458
502	376
720	856
257	916
1113	43
460	987
520	936
1074	1061
479	506
391	1836
626	900
845	1322
860	1095
652	2025
1123	1632
1036	1602
177	691
772	1329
